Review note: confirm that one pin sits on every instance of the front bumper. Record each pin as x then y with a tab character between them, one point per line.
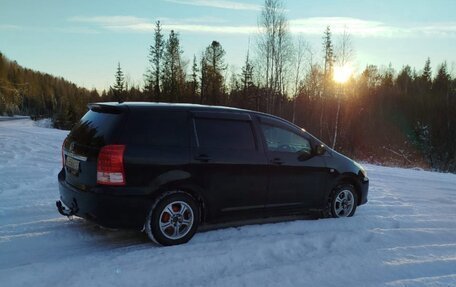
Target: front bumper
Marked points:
364	188
110	209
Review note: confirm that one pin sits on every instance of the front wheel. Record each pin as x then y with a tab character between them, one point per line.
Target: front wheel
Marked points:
343	201
173	219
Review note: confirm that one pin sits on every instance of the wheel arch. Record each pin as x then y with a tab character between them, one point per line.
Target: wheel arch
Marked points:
189	188
350	178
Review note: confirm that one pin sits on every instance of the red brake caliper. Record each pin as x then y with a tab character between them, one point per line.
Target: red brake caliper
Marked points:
165	217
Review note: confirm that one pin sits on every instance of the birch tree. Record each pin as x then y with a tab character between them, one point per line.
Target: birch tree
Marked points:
345	54
274	51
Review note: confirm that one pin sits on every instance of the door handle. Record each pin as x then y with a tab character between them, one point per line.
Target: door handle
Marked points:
203	157
277	161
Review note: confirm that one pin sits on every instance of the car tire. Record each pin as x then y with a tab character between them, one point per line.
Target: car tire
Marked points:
342	202
173	218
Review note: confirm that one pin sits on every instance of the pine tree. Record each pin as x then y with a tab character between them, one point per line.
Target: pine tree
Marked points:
118	88
243	90
204	76
444	137
194	84
214	66
173	73
424	86
427	71
328	51
247	74
153	77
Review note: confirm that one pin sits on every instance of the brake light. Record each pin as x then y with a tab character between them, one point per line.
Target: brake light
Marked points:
110	167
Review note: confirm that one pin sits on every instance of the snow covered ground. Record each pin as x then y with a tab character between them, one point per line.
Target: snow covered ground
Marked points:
16	117
404	236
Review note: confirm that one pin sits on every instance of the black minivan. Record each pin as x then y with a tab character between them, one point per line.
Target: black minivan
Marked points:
167	168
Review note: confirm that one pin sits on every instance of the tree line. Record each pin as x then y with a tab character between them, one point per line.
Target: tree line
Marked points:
28	92
405	117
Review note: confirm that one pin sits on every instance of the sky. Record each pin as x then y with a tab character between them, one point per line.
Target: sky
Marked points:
83	41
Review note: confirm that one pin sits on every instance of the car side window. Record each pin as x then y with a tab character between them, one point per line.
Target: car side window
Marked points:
225	134
283	140
157	128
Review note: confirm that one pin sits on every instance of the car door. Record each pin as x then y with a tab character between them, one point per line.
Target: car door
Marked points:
295	174
230	163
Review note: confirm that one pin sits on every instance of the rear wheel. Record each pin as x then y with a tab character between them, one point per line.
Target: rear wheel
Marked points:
343	201
173	219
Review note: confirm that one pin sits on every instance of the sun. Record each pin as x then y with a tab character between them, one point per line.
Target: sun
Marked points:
342	73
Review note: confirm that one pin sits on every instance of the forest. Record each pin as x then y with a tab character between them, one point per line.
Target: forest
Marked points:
403	117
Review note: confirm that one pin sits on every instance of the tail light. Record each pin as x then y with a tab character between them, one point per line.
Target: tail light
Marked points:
110	167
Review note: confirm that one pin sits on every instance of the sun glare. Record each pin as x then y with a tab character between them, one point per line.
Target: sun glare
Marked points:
342	73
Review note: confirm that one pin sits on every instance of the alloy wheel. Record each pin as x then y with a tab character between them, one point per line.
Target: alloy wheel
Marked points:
344	203
176	220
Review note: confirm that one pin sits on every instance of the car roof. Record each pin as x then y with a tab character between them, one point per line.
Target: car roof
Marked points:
160	105
132	106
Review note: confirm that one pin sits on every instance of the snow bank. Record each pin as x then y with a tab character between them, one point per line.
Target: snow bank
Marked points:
45	123
15	117
404	236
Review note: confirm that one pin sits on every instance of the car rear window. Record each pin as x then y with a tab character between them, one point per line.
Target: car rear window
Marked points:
225	134
162	128
96	128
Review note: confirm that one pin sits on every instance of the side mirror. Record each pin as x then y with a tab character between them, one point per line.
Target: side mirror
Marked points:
305	155
319	149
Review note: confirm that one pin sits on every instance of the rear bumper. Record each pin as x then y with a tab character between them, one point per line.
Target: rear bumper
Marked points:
110	209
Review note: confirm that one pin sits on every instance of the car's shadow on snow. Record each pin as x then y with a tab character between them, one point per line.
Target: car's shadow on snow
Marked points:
110	238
